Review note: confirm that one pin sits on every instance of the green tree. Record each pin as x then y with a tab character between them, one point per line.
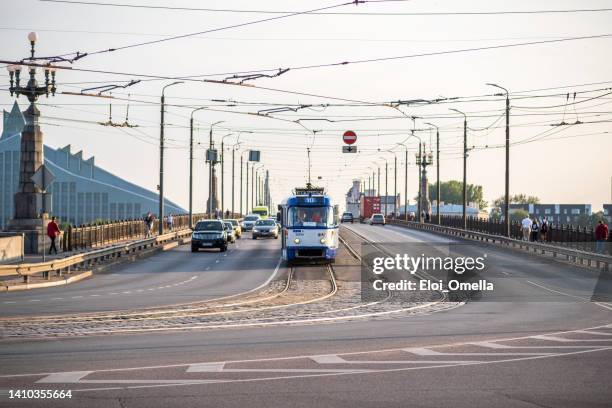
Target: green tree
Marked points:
452	193
517	199
518	215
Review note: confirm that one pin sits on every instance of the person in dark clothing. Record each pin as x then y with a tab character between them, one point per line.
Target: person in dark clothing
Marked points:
535	230
53	232
601	235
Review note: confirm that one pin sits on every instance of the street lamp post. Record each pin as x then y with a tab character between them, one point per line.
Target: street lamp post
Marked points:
234	148
191	166
465	150
405	184
386	184
438	217
211	164
223	170
507	187
32	155
160	222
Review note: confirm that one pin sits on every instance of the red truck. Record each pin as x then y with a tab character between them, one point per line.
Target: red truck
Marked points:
368	206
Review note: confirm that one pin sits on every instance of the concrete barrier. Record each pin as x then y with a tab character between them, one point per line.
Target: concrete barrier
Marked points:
11	247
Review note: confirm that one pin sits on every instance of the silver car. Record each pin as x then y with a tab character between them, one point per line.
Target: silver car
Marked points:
377	219
231	233
249	221
265	228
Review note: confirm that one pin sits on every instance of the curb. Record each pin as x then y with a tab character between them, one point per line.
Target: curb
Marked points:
61	282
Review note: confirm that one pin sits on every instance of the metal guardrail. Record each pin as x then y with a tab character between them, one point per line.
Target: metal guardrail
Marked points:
88	258
576	256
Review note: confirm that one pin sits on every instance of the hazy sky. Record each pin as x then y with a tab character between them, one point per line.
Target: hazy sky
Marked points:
560	164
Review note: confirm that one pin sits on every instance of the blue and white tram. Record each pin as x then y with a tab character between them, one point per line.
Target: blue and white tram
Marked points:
310	226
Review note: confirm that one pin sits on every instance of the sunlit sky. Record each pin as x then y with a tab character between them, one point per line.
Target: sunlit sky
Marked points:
559	164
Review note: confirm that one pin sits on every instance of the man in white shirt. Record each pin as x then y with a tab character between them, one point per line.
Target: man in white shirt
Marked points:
526	227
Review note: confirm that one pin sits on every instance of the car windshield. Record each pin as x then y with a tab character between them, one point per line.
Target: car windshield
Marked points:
377	216
209	226
251	218
347	215
311	216
265	222
233	222
261	212
228	225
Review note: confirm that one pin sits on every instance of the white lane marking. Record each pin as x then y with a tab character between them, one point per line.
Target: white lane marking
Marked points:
596	333
59	298
66	377
7	302
492	345
403	369
34	300
427	352
563	340
335	359
164	366
556	291
94	295
76	297
328	359
206	367
505	273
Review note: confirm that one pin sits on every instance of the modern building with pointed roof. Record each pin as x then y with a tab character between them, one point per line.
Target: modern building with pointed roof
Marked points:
81	192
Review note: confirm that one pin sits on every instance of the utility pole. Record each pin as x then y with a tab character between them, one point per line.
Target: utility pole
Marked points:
420	183
233	171
308	152
507	189
246	209
438	216
211	165
406	186
395	187
223	171
241	213
378	180
160	223
465	153
191	167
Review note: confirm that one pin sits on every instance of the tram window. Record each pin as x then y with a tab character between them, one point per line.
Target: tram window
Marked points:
311	216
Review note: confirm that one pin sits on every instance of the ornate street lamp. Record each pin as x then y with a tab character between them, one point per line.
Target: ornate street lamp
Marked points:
29	196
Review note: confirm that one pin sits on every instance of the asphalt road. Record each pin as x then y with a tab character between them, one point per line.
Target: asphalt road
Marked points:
541	344
171	277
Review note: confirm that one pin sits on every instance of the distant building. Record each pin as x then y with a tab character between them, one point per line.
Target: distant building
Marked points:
81	192
607	212
389	204
555	213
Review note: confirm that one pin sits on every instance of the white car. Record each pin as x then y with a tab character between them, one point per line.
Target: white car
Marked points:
249	221
377	219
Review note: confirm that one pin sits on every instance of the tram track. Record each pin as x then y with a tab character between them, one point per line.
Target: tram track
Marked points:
290	305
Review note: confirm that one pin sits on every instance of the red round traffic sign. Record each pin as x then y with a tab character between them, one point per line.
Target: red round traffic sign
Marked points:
349	137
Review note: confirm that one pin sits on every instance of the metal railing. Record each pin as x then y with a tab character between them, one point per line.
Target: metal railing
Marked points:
572	236
576	256
96	235
88	259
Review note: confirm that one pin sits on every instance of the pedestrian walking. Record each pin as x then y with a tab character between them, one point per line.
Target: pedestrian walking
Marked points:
53	232
535	230
601	236
526	228
227	213
170	221
148	220
544	230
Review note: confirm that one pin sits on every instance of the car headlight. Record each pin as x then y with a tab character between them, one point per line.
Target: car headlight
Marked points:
297	240
323	240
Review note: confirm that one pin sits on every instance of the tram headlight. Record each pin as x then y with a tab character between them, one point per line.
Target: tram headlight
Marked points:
297	240
323	240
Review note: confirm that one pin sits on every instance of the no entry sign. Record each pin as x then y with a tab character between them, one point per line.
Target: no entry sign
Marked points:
349	137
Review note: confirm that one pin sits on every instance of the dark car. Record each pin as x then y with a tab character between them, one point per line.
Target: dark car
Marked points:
265	228
347	217
209	234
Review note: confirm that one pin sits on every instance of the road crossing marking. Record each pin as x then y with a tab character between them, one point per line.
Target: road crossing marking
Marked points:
66	377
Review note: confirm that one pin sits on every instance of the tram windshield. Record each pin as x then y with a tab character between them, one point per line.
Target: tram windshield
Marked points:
311	217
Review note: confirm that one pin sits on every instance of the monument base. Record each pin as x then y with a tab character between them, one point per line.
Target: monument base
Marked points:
35	234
